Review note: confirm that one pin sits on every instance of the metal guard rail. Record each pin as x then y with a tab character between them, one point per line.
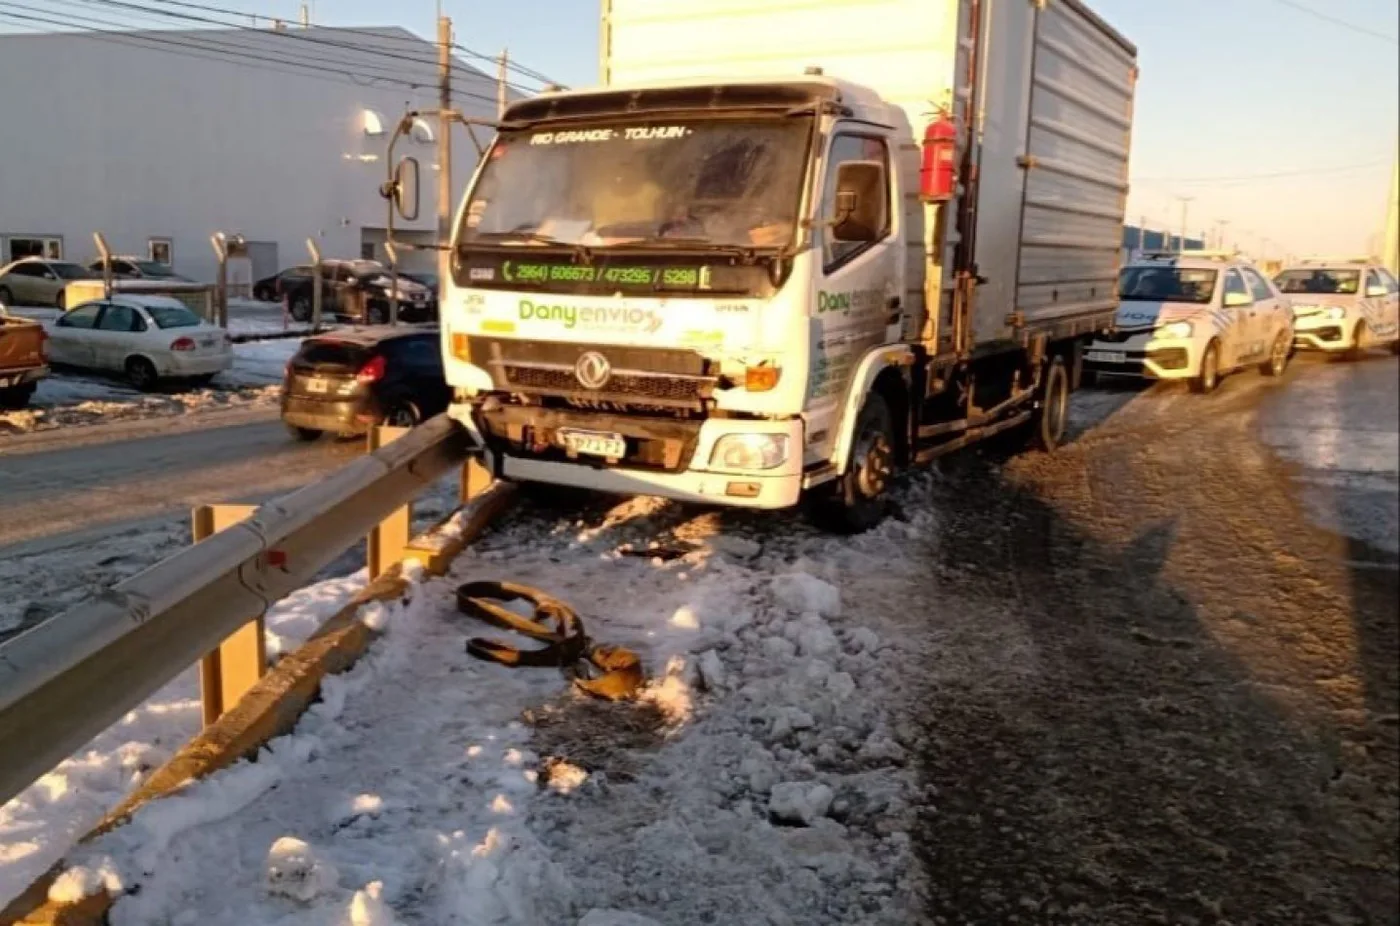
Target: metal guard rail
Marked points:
67	679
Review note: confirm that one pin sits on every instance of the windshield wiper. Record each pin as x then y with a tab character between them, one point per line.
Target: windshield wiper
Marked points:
747	254
582	250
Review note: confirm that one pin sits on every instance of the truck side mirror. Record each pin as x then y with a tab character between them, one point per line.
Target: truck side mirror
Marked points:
402	190
860	201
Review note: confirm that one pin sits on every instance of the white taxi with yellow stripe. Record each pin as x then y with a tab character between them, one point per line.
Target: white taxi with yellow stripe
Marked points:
1195	316
1342	306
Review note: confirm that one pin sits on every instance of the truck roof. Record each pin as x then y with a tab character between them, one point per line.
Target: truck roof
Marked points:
865	102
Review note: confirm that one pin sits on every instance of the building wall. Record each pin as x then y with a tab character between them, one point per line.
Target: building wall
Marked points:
137	142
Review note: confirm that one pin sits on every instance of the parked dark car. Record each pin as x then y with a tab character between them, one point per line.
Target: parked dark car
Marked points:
359	291
269	289
346	382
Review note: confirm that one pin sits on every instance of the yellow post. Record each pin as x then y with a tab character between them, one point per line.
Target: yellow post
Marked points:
389	540
475	479
227	673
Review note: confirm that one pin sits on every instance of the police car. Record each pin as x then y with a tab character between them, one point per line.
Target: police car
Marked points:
1193	315
1345	306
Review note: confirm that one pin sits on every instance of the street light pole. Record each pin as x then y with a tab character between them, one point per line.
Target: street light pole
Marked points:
1185	202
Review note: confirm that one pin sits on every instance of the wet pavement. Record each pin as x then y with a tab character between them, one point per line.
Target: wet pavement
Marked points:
1162	682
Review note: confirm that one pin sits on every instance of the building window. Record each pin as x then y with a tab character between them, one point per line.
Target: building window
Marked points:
367	250
35	246
159	250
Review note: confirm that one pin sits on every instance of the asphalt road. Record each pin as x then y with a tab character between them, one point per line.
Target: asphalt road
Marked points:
1167	689
61	488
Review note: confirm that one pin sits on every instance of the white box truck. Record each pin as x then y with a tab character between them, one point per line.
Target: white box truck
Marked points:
792	247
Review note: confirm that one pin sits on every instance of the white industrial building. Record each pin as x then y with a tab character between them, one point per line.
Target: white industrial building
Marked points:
159	139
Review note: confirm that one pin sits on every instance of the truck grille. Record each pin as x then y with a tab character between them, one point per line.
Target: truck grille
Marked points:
620	388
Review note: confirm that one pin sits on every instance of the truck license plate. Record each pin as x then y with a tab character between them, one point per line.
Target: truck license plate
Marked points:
594	444
1106	356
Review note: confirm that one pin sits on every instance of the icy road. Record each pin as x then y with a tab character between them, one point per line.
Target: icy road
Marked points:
1149	679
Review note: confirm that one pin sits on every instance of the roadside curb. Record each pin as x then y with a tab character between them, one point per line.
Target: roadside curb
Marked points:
271	708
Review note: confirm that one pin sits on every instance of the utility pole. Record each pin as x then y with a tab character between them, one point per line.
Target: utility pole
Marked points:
502	75
1185	202
444	231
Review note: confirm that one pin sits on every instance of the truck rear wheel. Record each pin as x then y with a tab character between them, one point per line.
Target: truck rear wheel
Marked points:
1051	418
856	502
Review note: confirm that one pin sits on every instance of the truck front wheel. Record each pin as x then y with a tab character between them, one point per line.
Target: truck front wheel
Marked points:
856	502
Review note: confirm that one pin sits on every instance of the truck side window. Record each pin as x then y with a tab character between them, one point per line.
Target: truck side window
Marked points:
848	148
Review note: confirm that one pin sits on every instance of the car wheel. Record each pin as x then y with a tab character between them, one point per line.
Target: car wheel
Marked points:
376	315
301	309
141	373
307	435
6	297
403	414
1358	342
61	300
1278	356
1051	418
1209	377
16	397
856	502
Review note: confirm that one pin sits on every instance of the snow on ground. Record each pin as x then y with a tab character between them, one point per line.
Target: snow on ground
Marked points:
40	824
72	398
759	779
247	318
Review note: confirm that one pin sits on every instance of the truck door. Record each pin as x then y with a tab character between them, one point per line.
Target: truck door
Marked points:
856	291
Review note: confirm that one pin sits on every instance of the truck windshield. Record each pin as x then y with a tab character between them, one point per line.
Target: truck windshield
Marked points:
1320	281
692	184
1166	284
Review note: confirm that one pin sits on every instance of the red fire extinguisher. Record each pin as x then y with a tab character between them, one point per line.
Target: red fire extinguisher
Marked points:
938	172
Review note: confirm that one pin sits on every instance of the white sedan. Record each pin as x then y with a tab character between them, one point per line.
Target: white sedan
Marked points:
147	338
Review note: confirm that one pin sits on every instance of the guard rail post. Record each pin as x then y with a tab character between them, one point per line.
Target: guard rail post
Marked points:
228	672
388	541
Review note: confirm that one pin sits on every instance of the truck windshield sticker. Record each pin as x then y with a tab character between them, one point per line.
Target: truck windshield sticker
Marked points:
593	318
630	133
693	277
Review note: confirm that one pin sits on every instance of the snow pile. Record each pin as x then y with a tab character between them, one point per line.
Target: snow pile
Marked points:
761	778
43	821
72	398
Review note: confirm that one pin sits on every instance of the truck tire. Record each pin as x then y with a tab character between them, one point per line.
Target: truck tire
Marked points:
1051	417
1209	377
856	501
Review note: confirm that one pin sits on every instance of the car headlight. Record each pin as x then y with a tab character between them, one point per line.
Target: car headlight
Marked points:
1175	330
750	451
1335	313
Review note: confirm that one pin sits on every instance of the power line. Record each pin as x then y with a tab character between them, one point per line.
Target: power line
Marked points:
239	58
294	37
371	33
1267	176
227	53
1325	17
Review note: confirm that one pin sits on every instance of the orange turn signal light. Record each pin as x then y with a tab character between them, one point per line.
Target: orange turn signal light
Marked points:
460	348
762	379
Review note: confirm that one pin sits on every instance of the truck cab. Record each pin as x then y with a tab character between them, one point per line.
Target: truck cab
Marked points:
672	296
761	286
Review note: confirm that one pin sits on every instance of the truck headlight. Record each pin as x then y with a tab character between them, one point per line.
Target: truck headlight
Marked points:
1175	330
750	451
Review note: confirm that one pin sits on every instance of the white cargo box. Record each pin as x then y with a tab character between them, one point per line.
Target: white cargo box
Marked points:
1055	100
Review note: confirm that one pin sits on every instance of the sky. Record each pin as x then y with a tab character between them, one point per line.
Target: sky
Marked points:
1273	119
